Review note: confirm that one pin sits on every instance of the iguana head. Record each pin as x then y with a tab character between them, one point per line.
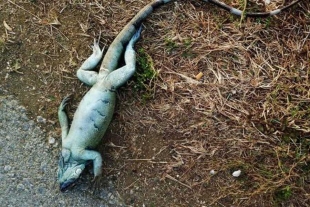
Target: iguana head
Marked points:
68	170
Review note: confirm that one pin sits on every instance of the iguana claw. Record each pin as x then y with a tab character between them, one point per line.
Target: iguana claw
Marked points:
64	102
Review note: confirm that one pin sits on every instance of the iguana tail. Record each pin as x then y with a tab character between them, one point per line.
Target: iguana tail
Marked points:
116	48
251	14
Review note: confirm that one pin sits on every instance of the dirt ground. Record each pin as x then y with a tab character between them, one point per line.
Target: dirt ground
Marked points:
249	111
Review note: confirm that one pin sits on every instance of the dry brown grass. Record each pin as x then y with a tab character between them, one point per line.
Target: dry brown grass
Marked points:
249	111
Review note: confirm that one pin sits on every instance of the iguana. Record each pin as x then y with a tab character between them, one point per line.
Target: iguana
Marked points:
95	111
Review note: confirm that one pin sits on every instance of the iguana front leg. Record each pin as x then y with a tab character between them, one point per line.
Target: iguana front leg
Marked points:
63	118
85	73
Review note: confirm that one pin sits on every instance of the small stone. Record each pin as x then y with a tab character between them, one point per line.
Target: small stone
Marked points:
112	196
236	173
7	168
40	119
104	194
212	172
43	167
31	123
42	190
51	140
20	187
27	183
26	127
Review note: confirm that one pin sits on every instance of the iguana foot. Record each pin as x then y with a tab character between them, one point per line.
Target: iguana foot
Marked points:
95	183
85	73
120	76
97	52
91	62
135	37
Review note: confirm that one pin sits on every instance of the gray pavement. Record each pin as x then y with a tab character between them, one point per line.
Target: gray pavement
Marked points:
28	165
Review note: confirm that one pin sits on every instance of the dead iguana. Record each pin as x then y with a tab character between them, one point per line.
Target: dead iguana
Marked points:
96	109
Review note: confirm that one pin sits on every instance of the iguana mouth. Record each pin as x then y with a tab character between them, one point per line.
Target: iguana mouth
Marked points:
66	185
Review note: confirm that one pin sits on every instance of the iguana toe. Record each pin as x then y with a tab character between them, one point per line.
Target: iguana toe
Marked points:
64	102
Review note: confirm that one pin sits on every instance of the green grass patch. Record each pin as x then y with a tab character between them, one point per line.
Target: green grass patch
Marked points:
2	44
145	74
170	44
283	194
267	22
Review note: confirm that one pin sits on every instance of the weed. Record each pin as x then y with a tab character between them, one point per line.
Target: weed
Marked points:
267	22
283	194
145	73
264	21
187	43
241	3
188	53
170	44
2	44
305	167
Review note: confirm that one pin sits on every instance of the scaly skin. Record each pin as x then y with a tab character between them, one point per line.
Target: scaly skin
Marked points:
92	116
96	109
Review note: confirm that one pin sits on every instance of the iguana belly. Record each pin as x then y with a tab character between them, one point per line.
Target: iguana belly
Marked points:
92	118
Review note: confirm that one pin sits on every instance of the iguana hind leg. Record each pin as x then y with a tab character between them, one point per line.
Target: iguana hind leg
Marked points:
120	76
85	73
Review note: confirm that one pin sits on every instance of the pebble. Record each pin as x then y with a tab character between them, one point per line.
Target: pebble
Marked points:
103	194
26	126
51	140
7	168
40	119
236	173
42	190
20	187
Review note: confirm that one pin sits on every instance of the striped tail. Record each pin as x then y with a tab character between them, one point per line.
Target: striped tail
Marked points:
249	14
110	60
